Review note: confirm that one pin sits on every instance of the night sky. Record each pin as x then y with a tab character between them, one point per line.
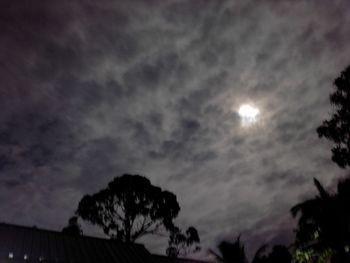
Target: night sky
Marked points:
94	89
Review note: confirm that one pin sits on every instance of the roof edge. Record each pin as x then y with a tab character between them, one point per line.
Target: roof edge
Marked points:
56	232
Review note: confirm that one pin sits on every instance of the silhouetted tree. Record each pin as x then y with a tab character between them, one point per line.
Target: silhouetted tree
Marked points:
231	252
337	129
129	208
259	256
181	244
323	231
234	253
279	254
73	228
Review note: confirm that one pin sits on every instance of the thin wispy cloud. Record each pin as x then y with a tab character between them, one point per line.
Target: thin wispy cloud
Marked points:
91	90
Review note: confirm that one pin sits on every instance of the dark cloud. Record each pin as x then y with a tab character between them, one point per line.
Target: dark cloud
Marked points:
91	90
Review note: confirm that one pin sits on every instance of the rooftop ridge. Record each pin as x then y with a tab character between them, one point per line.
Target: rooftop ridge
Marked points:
80	237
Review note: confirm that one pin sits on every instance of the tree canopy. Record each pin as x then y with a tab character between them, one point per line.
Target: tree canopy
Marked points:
73	228
278	254
337	128
234	252
323	231
230	252
182	243
129	208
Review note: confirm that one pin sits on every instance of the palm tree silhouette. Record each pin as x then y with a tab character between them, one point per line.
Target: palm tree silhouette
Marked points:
323	231
231	252
234	252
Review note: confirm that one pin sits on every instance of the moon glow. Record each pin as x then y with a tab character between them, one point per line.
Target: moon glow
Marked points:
248	113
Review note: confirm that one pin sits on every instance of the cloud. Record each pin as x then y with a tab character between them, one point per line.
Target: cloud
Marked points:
94	90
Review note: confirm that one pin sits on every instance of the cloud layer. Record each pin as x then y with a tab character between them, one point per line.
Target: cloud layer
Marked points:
91	90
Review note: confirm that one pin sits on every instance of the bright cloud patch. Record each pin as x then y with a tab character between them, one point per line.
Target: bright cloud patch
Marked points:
248	113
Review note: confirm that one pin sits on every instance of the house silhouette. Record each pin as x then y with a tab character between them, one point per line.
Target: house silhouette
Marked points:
20	244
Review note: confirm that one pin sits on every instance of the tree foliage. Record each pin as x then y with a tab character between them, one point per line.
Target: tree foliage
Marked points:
73	228
231	252
182	243
234	252
337	129
279	254
323	231
129	208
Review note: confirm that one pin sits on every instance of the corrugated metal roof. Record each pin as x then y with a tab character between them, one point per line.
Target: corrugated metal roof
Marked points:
38	245
165	259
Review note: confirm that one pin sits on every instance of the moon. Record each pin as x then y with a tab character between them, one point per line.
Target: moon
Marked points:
248	113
